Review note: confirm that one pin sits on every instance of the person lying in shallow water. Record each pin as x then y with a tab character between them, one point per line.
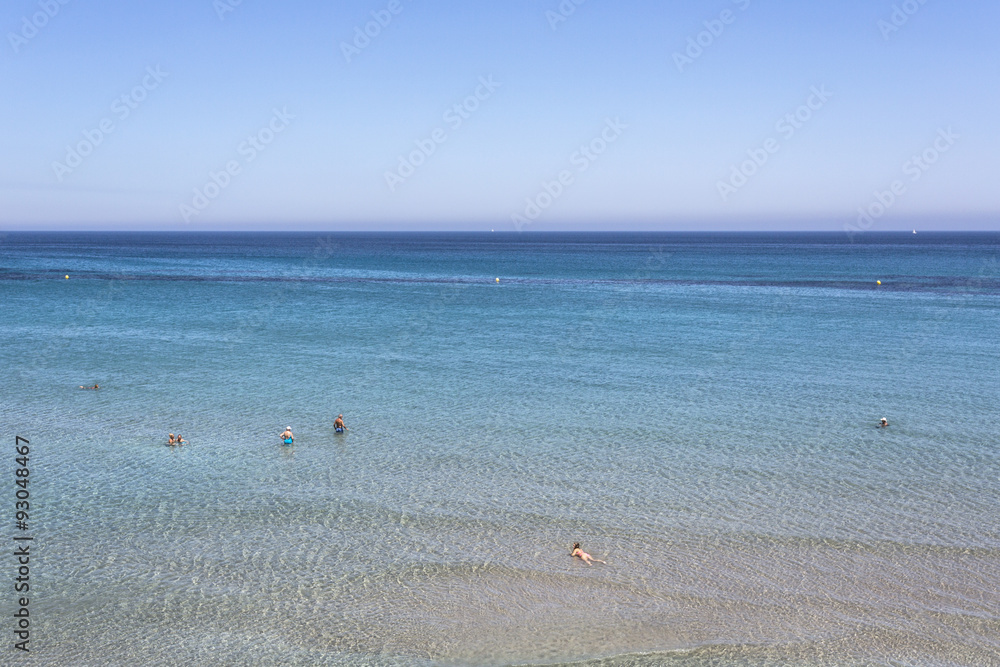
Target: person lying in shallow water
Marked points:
584	556
96	386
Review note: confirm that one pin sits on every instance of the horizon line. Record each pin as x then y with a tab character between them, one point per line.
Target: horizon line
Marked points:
856	233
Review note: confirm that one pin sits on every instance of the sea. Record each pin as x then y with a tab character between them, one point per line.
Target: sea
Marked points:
699	410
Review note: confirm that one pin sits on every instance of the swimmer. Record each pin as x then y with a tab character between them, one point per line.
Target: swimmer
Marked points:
181	441
338	424
96	386
883	423
171	440
287	436
584	556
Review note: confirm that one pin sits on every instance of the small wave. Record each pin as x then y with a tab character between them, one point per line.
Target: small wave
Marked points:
936	284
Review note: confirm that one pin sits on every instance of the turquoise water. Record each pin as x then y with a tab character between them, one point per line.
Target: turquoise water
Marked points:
698	410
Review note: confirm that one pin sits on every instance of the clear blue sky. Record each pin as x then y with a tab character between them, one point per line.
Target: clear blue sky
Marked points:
331	126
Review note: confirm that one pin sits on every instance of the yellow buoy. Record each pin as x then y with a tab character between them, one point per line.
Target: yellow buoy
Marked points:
879	282
67	277
498	280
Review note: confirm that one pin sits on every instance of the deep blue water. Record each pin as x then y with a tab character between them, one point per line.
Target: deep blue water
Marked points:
697	409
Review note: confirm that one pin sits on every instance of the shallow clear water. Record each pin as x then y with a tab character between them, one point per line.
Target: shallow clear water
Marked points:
698	410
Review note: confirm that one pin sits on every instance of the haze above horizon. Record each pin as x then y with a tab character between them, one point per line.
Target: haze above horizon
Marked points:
529	115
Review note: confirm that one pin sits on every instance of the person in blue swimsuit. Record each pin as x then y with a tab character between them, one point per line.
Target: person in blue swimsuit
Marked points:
338	424
287	436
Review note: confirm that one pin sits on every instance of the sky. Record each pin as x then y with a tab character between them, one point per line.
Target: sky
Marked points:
516	115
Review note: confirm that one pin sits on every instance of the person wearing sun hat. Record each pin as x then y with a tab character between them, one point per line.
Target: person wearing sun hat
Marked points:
883	423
